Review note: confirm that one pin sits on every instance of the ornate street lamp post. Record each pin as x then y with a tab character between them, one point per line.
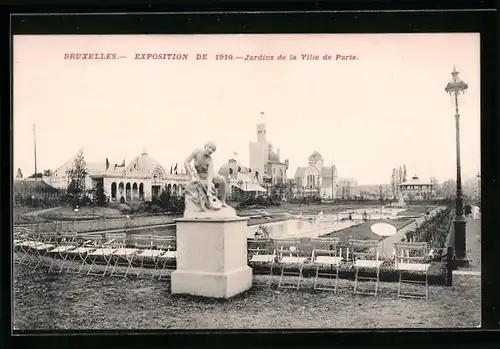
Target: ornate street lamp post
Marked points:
455	88
478	193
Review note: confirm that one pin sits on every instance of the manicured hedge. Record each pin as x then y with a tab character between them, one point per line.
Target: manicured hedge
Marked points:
434	230
436	274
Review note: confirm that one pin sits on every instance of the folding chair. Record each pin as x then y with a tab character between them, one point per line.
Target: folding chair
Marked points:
17	250
365	256
262	251
110	243
167	244
123	257
325	253
47	242
412	256
66	242
290	254
87	244
144	243
27	248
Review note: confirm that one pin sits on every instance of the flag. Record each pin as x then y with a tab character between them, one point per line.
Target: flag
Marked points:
107	164
121	165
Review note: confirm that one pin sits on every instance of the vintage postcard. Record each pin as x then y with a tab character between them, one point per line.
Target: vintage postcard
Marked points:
246	181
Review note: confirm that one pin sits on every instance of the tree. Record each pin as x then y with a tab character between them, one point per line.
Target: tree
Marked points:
394	184
435	185
19	174
47	173
99	196
348	190
380	192
404	173
77	175
448	189
400	175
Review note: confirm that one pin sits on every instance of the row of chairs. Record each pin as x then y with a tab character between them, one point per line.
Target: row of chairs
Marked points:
327	255
98	254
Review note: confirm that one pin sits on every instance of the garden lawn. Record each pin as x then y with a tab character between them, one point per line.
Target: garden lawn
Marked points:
416	210
311	209
20	210
84	211
43	301
363	231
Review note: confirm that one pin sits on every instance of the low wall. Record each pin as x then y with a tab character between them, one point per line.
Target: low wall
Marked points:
98	225
95	225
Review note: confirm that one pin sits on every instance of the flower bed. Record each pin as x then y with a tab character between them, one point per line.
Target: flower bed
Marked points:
90	217
415	211
433	230
436	273
363	231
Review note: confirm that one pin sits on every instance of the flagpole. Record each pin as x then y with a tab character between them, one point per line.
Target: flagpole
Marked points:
34	147
332	176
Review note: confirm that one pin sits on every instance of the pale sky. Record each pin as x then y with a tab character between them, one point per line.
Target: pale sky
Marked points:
385	109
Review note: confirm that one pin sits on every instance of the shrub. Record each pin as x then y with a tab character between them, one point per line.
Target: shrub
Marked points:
259	201
433	230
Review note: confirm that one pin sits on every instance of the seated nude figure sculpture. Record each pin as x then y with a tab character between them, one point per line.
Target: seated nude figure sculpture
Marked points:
201	188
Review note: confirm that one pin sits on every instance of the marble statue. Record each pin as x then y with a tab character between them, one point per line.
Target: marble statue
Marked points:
201	199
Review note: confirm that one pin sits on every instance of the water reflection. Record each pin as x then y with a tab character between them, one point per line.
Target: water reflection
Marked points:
302	225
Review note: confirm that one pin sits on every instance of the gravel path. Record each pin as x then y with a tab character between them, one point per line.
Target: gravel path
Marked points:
40	212
43	301
473	244
387	245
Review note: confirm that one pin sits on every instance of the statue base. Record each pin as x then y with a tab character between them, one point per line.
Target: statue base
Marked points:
211	257
193	211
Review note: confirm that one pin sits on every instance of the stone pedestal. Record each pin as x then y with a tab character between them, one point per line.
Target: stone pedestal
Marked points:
211	257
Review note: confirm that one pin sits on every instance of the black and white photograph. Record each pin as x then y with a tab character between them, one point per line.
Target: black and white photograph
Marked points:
246	181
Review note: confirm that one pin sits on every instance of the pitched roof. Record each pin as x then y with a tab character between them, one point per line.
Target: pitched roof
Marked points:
21	185
142	165
93	167
326	171
299	172
416	181
96	167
